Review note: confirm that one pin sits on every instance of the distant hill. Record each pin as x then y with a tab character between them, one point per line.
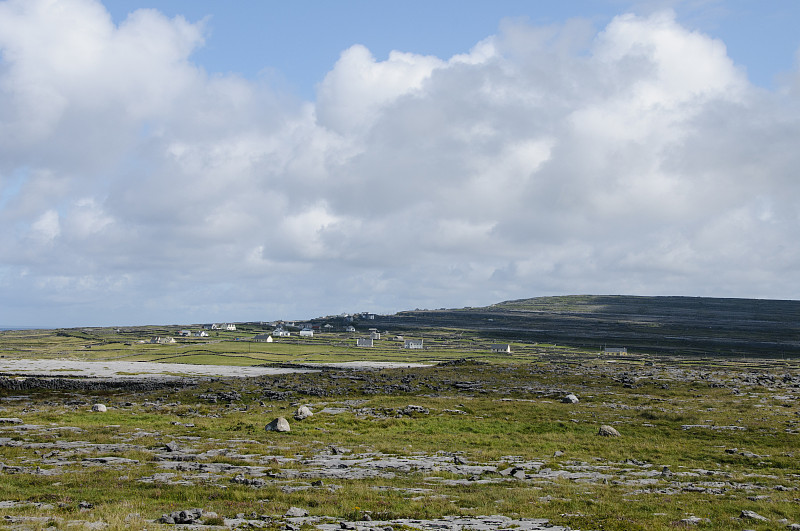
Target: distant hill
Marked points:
685	325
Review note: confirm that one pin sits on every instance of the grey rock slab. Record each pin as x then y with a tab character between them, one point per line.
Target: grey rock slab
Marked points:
110	460
295	512
570	399
10	420
752	515
454	523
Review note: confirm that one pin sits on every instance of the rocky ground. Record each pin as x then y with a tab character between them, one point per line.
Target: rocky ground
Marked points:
635	396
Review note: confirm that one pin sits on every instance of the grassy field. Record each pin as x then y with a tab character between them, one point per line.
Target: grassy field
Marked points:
479	434
496	416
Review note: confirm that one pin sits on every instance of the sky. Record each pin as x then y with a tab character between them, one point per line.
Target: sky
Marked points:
190	161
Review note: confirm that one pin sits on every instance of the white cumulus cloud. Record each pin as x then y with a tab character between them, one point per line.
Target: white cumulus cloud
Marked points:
137	187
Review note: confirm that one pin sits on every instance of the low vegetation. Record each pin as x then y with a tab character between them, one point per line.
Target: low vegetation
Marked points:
464	438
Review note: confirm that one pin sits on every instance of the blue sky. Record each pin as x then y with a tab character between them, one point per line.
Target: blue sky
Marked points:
197	161
297	42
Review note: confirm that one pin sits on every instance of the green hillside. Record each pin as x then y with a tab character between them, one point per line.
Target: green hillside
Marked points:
685	325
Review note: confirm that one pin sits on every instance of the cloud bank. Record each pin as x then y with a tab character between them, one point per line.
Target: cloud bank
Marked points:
136	187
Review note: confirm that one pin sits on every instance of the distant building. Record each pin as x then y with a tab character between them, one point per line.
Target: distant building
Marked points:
201	333
185	333
375	335
265	338
230	327
162	340
364	342
351	328
413	344
506	349
615	350
280	332
306	332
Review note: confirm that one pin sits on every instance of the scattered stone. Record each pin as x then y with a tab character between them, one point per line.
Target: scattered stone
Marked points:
279	424
10	420
570	399
254	482
172	446
459	460
99	408
188	516
303	412
412	409
296	512
558	453
84	505
752	515
694	520
608	431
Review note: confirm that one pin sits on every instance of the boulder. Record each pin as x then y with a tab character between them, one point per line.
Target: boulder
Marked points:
608	431
570	399
303	412
172	446
296	512
99	408
279	424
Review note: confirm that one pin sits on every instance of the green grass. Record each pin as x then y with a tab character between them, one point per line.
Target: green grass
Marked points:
493	414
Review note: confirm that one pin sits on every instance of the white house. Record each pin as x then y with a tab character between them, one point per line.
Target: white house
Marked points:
230	327
201	333
185	333
506	349
263	337
162	340
364	342
375	335
280	332
306	332
351	329
413	344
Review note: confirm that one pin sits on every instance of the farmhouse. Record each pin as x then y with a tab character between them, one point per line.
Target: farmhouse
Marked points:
265	338
280	332
413	344
230	327
501	348
364	342
185	333
306	332
201	333
351	329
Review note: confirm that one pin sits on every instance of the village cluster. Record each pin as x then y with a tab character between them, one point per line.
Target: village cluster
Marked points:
307	330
